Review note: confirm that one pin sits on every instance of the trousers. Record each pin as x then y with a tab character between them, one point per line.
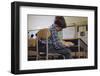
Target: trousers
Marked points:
66	52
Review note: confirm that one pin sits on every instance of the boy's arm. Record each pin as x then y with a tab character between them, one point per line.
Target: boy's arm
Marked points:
56	42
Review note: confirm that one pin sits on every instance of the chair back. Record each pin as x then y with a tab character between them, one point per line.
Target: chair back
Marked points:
43	33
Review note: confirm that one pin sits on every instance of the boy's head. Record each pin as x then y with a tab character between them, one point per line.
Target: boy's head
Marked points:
60	23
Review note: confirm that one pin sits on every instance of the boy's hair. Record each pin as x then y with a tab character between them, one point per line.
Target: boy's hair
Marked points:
60	21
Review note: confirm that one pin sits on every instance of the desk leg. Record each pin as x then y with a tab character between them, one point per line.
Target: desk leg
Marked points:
78	48
37	56
47	48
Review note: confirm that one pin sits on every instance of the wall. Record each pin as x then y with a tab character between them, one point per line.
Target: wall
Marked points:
71	20
39	22
5	38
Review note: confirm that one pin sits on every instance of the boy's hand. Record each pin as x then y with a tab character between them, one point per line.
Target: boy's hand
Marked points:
67	44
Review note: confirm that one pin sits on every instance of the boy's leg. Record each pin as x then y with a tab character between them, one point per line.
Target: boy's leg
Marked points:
66	52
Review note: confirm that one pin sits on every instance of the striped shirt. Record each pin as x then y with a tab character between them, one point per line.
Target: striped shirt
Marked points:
54	40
